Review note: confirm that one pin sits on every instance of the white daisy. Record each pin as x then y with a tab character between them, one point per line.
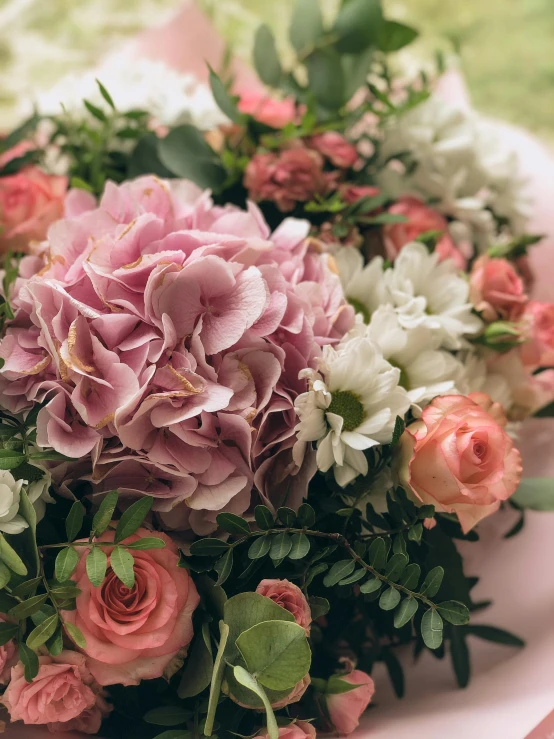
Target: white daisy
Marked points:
351	405
363	285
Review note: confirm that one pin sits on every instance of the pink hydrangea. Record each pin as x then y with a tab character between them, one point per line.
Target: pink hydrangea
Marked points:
166	335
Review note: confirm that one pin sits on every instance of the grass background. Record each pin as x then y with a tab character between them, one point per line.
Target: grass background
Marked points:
505	46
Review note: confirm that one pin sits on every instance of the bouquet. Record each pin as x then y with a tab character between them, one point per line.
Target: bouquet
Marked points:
256	381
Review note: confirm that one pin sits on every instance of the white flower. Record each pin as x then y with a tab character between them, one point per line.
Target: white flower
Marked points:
10	493
39	495
351	405
426	292
363	286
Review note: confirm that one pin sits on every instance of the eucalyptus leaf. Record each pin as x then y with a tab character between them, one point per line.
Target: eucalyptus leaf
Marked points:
393	36
287	516
306	26
225	102
535	493
326	78
432	629
185	152
318	606
358	25
354	577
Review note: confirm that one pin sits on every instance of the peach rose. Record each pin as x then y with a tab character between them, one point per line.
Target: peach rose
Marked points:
290	597
140	633
266	109
332	145
29	202
458	457
420	219
345	709
538	351
297	730
64	695
496	289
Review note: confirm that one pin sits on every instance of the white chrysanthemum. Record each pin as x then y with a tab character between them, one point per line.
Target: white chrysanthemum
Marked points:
38	492
363	285
460	165
425	370
10	494
351	405
426	292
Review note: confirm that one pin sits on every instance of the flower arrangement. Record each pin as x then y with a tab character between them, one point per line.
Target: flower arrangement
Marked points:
255	383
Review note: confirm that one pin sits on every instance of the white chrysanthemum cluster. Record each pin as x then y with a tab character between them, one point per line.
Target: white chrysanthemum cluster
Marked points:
137	83
412	319
456	161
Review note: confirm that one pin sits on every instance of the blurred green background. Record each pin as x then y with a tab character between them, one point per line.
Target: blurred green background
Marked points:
505	46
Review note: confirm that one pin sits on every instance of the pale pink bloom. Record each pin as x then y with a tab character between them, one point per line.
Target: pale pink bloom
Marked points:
459	458
538	350
289	596
420	218
296	730
286	178
64	695
266	109
496	289
345	709
353	193
139	633
332	145
77	202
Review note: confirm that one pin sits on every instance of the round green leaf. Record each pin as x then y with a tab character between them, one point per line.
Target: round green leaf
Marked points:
339	571
389	599
277	652
396	566
410	576
281	545
405	611
454	612
300	546
431	629
432	582
370	586
259	547
264	517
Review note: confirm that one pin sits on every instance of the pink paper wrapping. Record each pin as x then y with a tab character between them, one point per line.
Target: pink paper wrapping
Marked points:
511	690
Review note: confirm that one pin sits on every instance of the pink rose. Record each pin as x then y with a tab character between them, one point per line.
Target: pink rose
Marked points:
458	457
297	730
288	177
140	633
353	193
496	289
345	709
266	109
538	351
64	695
420	219
340	152
290	597
29	202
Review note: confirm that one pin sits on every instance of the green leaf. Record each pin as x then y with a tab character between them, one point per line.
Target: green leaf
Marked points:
45	612
265	57
399	427
225	102
426	511
259	547
7	632
432	582
145	158
494	634
167	716
5	575
405	611
41	633
354	577
393	36
339	571
377	553
27	607
27	588
175	734
536	493
300	546
66	562
306	26
326	78
23	131
277	652
185	153
318	606
306	515
208	547
10	459
454	612
395	567
76	634
95	111
55	643
370	586
459	654
26	542
50	456
30	662
431	629
74	520
149	542
122	564
9	557
281	545
416	532
223	567
233	524
287	516
217	677
358	25
105	94
250	682
198	670
263	517
103	515
96	564
132	518
389	599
